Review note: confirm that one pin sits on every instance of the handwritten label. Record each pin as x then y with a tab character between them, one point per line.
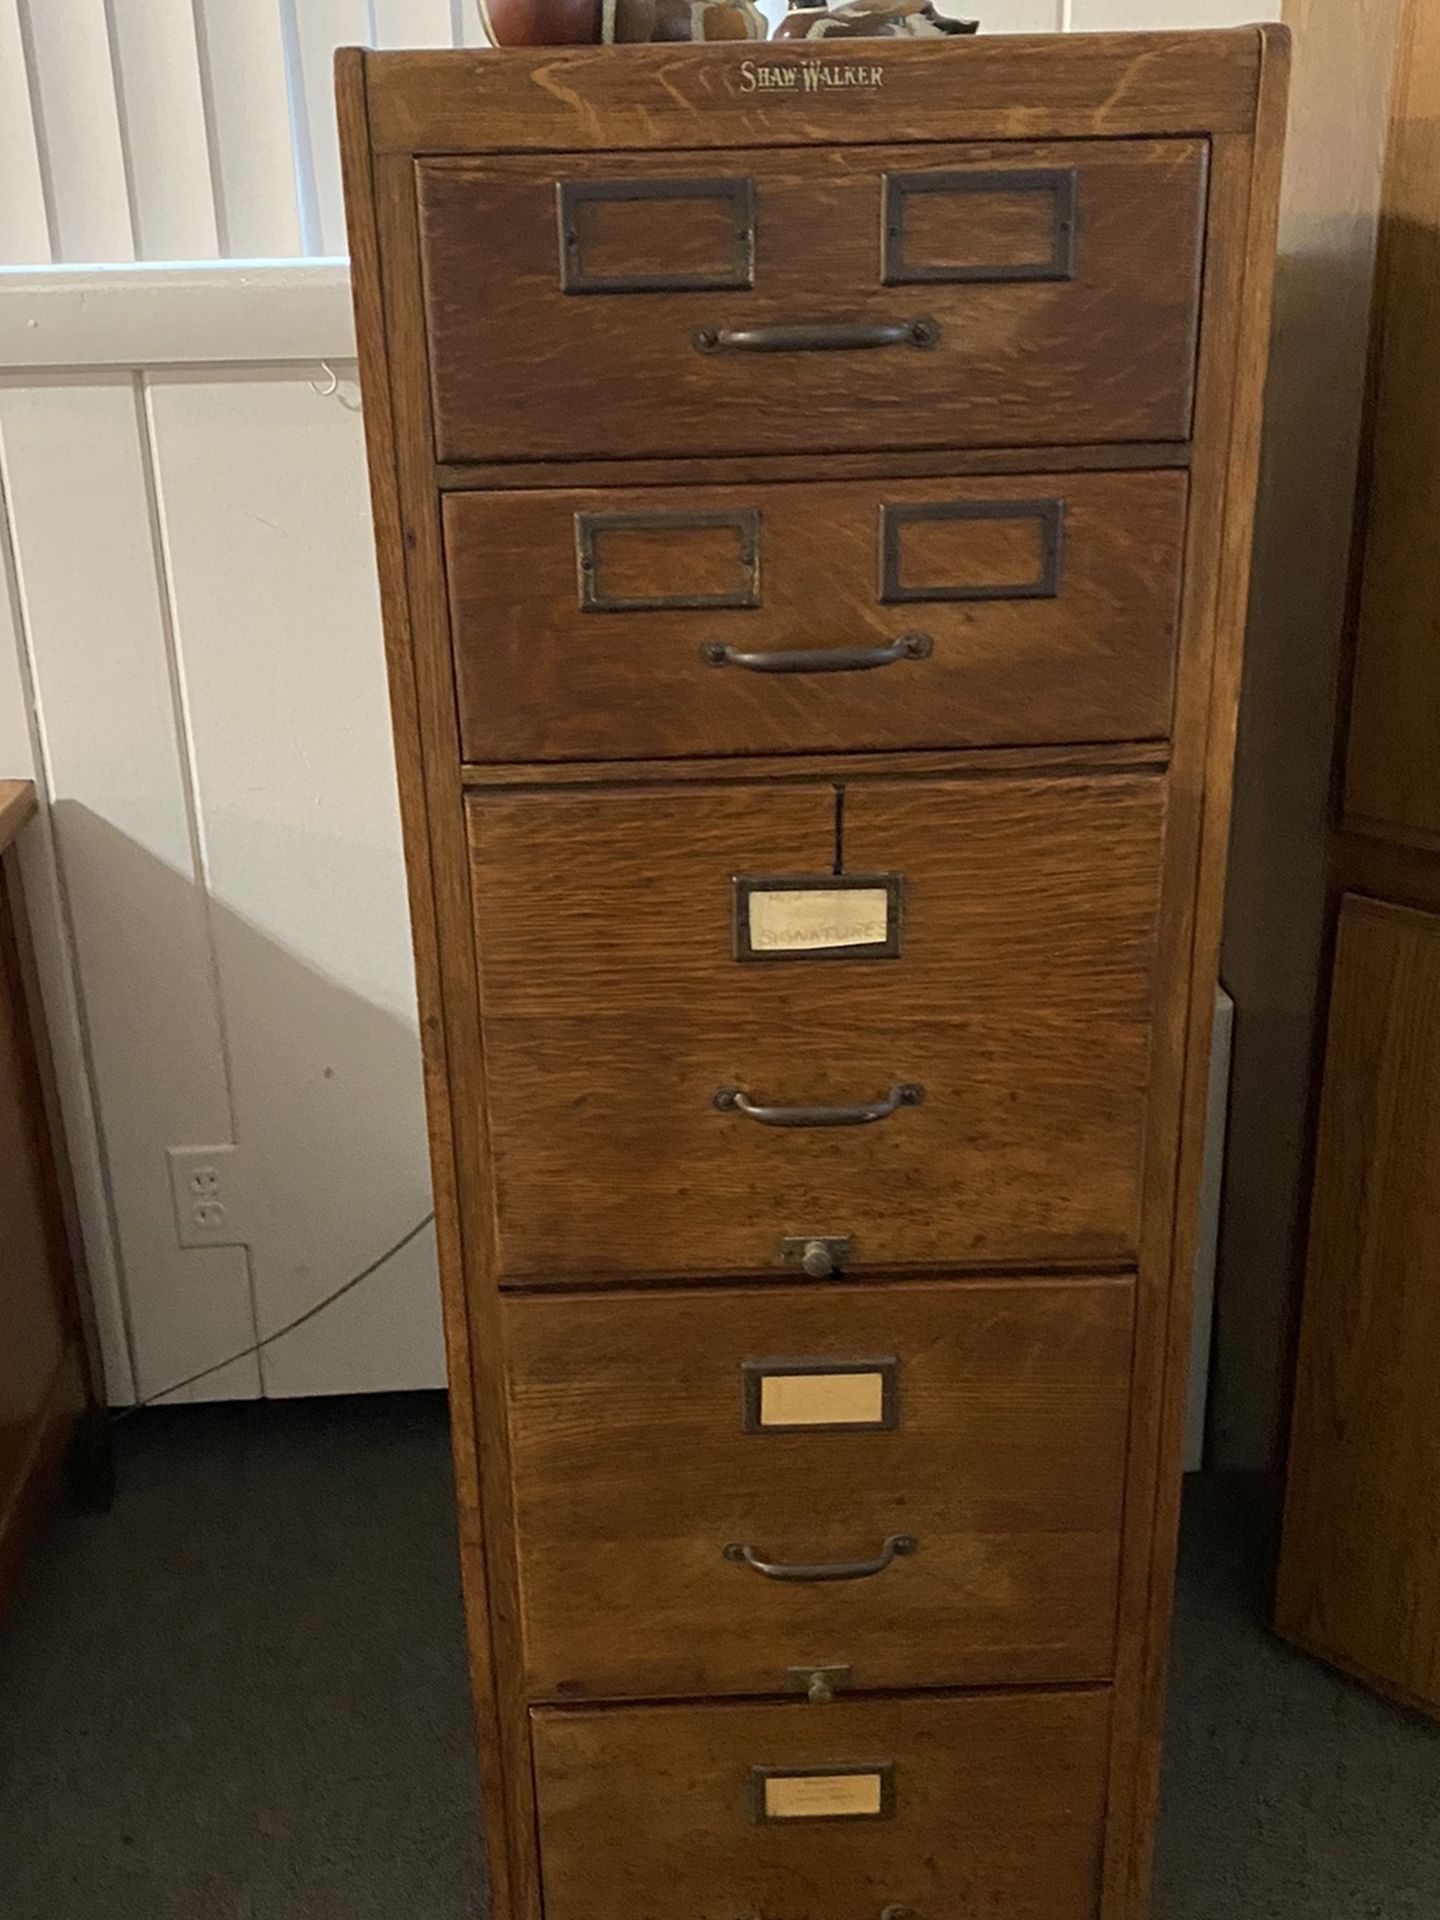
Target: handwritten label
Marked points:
801	921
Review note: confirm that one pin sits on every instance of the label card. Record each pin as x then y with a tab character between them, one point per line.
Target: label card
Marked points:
818	1396
817	916
824	1793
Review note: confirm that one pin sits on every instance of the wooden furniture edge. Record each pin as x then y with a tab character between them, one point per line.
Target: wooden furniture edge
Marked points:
1102	84
1343	1663
17	805
71	1427
987	763
1379	867
1249	362
768	469
50	1439
353	111
95	1485
1363	866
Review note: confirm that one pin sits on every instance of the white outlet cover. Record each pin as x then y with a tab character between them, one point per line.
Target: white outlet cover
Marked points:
207	1192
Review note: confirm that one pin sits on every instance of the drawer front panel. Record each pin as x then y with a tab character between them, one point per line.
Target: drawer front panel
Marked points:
905	297
996	1807
765	1427
591	625
616	1011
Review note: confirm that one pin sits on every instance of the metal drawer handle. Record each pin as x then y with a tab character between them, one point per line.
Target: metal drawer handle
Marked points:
819	338
736	1100
910	646
897	1547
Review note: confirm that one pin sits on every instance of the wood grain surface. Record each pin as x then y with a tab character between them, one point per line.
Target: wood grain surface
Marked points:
795	769
998	1806
45	1363
1392	763
1006	1464
615	1010
753	469
1357	1568
1093	660
17	804
1235	322
1000	87
1357	1578
1105	355
1055	983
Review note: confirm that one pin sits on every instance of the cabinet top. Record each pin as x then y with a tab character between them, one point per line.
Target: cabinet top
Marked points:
777	93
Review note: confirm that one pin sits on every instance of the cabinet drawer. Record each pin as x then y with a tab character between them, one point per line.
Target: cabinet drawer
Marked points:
968	1440
990	1805
625	1039
975	612
617	304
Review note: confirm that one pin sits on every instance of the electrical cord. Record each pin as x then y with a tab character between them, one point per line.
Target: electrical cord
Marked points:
310	1313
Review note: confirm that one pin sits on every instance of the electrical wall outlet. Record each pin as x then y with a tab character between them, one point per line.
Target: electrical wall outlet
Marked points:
206	1190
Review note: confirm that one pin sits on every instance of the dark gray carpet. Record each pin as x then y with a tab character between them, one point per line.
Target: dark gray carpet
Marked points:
242	1696
1290	1793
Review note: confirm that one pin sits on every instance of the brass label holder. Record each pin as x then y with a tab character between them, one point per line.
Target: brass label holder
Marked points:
855	1792
817	916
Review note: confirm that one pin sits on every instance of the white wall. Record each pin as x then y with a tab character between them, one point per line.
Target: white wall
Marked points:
190	661
194	630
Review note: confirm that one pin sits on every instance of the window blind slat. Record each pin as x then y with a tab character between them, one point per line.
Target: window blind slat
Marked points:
163	120
320	27
81	151
24	224
245	73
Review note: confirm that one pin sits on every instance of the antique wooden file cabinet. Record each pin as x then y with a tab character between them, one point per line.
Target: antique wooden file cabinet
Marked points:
812	488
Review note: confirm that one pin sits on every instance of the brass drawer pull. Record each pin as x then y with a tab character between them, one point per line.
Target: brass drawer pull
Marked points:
910	646
821	338
898	1546
736	1100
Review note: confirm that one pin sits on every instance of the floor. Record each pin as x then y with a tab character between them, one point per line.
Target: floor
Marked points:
242	1696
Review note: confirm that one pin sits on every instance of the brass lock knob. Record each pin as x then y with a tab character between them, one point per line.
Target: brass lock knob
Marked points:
817	1260
819	1683
817	1255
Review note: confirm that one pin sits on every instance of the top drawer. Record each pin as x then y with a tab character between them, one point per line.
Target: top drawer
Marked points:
823	299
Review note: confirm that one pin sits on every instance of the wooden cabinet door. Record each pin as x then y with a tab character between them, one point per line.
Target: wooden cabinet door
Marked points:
1359	1582
984	1806
610	305
981	1485
1002	1052
984	610
1392	772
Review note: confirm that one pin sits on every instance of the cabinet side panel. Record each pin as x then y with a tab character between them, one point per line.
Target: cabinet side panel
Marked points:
1244	192
383	442
1357	1582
